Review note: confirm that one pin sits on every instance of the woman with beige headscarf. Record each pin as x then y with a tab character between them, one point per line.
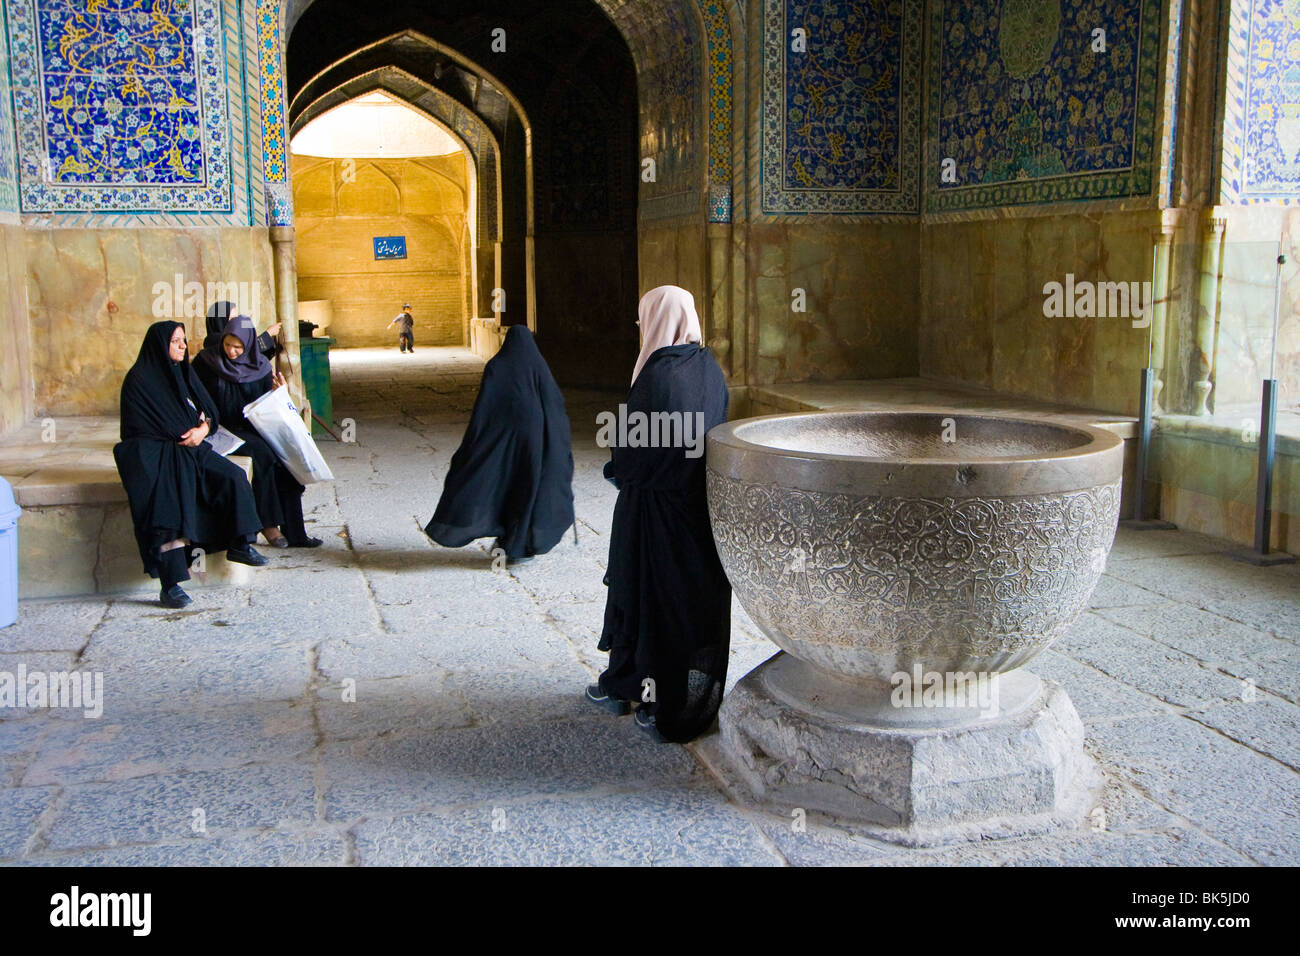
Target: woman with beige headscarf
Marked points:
668	611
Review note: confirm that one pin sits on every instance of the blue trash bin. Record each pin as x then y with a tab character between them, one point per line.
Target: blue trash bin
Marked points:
9	513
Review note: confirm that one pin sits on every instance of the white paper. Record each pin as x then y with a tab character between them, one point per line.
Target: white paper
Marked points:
224	442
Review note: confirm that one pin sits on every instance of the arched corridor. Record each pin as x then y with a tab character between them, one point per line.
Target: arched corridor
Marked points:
550	103
385	200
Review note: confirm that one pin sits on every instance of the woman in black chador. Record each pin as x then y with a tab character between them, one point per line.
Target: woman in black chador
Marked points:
181	492
668	611
236	372
512	475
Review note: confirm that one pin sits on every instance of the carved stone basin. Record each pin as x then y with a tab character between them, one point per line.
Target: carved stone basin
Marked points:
886	551
865	543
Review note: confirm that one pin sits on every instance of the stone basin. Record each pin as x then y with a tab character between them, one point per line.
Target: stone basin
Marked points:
868	543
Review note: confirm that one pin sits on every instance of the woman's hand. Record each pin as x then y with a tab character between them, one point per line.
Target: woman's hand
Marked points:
195	435
274	330
277	380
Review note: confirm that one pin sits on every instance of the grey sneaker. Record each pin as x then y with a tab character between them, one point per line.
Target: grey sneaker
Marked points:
615	705
646	721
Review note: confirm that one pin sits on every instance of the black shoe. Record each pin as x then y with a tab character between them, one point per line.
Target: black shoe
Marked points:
646	721
280	542
305	543
246	556
174	597
615	705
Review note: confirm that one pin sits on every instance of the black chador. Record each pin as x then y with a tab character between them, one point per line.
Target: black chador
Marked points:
668	610
234	384
177	492
512	476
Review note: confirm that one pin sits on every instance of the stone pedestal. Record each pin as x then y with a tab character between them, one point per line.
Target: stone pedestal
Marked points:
795	737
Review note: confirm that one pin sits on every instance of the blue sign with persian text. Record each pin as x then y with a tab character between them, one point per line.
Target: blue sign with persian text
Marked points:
390	247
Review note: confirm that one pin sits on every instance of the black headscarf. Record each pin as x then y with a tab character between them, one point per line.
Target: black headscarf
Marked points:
219	314
512	476
161	399
252	366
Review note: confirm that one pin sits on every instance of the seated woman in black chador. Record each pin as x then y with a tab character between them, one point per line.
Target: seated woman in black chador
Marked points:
235	373
512	475
668	611
181	492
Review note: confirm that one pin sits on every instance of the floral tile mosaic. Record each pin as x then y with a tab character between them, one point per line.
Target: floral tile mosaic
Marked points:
1037	101
8	172
841	117
119	107
1270	114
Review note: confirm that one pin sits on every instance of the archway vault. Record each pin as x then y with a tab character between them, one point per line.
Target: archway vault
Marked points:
683	51
357	183
464	125
402	64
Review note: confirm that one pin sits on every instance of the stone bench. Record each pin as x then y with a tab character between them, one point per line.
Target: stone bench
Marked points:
75	535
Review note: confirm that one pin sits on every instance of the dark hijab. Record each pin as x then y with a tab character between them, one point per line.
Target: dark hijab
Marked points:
161	399
252	366
512	476
219	314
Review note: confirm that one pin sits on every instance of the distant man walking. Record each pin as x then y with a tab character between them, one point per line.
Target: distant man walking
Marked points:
405	329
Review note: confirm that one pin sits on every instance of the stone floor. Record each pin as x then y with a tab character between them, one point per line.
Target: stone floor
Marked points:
227	737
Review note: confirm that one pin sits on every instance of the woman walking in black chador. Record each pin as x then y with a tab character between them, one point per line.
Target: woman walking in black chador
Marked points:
512	476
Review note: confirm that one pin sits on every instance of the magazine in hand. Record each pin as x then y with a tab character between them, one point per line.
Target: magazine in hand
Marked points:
224	442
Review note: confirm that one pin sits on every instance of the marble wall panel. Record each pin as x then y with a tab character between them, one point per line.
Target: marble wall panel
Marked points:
1245	340
984	321
956	334
92	294
859	286
1207	484
15	342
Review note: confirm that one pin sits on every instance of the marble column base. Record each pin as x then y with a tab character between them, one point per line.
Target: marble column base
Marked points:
793	738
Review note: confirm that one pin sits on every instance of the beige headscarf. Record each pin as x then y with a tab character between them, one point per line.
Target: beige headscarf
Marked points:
667	316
